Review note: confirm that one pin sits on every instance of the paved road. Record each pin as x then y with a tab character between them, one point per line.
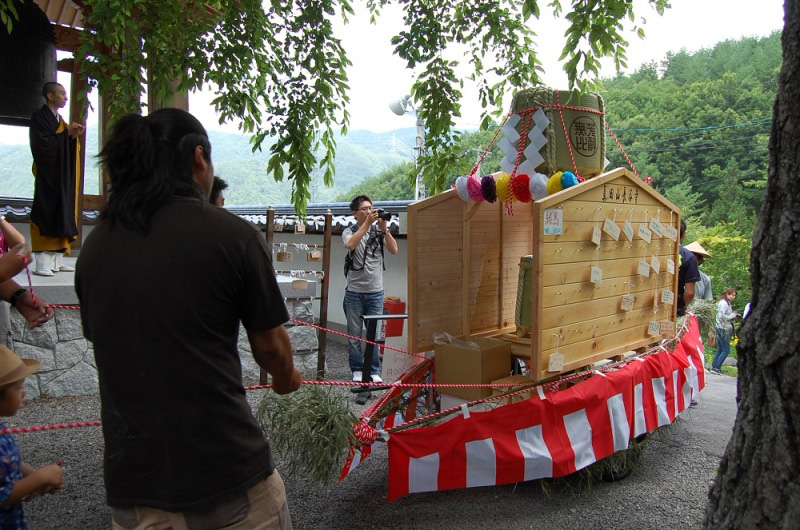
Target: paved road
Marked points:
669	490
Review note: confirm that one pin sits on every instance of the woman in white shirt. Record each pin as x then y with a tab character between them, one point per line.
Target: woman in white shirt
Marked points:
724	328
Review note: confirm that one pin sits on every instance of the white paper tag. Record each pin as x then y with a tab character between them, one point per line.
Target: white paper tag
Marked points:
556	363
656	227
656	264
627	302
553	222
644	233
596	235
670	266
654	328
670	232
627	228
667	327
644	268
611	228
597	275
667	297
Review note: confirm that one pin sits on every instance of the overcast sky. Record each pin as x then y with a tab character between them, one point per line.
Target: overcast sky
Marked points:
378	77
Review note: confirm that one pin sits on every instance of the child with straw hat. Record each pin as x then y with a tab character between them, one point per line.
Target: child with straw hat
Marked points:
17	479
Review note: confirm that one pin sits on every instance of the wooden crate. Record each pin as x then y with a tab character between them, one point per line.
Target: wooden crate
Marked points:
463	271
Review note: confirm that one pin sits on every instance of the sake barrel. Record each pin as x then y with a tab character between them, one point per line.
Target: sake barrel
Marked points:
583	120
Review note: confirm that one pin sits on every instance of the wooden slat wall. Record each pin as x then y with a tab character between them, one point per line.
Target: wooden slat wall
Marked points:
485	252
517	242
587	317
435	274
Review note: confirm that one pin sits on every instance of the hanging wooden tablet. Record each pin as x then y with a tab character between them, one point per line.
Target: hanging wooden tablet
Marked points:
299	227
314	255
285	256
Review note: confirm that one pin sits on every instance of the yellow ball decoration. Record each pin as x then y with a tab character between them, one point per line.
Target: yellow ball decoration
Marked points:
554	184
502	187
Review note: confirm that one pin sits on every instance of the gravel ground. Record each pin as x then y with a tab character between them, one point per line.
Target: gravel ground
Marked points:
668	490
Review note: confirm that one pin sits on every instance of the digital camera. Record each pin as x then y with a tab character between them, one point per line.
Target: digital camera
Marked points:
383	214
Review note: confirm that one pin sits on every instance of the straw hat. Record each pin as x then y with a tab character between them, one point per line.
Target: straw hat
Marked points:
697	248
13	369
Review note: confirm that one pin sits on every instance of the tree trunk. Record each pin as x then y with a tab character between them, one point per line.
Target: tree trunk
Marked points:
758	484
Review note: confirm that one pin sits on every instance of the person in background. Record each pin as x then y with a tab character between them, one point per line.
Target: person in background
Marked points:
688	275
723	328
164	281
702	289
363	294
217	197
18	480
56	166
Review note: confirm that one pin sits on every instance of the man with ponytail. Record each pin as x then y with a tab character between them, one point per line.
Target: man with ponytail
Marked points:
164	281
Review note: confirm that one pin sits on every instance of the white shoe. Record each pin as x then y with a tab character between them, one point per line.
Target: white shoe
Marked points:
65	268
43	272
376	378
357	377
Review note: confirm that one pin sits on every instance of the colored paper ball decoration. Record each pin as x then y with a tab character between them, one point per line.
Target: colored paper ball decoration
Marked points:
519	185
568	180
538	186
488	188
502	188
461	188
554	184
474	189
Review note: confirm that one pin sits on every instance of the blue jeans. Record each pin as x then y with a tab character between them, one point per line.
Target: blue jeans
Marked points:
723	347
355	306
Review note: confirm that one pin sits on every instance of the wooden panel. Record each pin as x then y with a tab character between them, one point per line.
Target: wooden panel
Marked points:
587	252
582	230
588	360
597	327
582	210
579	272
571	293
570	313
435	257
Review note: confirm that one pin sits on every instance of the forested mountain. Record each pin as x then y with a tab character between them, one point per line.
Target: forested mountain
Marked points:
360	154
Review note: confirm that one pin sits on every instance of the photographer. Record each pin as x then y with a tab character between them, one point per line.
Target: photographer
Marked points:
364	267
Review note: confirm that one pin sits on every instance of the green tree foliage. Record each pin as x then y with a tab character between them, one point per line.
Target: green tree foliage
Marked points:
702	119
393	184
280	69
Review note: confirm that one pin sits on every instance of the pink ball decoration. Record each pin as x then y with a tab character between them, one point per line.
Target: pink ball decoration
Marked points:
519	185
488	188
474	189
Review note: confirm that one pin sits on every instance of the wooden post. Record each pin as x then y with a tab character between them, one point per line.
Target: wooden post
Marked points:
263	378
322	337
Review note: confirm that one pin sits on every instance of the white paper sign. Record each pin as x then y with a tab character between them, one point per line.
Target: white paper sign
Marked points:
395	363
670	266
611	228
644	233
644	268
553	222
654	328
656	264
556	363
667	297
656	227
597	275
627	302
627	228
596	235
670	232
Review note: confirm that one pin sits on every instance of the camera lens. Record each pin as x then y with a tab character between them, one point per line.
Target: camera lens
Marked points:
383	214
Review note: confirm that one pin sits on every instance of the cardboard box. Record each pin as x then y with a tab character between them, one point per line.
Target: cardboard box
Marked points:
512	380
458	364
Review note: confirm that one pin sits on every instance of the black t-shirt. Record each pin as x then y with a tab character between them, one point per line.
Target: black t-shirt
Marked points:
687	273
163	312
